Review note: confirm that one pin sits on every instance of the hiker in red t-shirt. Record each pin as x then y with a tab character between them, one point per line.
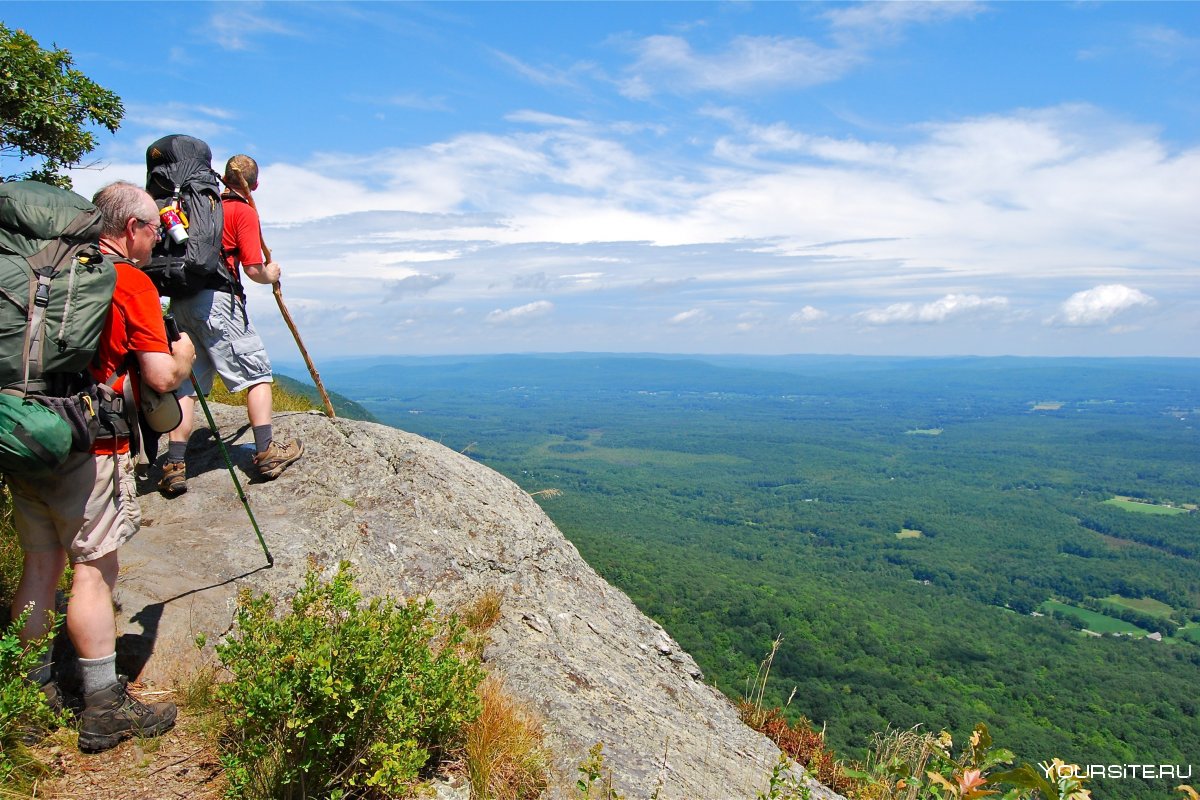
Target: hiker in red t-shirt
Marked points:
227	342
89	508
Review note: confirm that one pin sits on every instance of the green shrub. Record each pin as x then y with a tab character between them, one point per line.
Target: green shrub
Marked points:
11	557
341	699
23	709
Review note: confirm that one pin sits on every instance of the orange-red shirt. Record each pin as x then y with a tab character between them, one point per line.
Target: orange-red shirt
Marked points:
241	237
134	324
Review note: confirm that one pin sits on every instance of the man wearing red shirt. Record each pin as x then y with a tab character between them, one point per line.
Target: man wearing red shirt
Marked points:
89	509
228	343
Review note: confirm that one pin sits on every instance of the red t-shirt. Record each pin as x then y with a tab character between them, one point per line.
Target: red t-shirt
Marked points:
134	324
241	237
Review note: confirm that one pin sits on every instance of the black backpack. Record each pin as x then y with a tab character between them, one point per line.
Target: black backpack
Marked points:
55	294
179	172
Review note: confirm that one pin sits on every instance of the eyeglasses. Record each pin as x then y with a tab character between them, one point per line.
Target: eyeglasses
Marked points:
158	230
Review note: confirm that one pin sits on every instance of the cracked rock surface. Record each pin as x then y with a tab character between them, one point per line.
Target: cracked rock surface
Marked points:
418	519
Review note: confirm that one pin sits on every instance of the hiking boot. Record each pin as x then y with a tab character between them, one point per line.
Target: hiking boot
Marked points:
60	700
174	479
112	715
277	457
61	703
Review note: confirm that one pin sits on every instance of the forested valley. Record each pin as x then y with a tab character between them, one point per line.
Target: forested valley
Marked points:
938	542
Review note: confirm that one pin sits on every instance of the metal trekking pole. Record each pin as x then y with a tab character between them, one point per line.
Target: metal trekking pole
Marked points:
172	335
278	292
229	464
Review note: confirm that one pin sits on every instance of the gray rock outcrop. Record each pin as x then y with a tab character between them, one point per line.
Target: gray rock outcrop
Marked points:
418	519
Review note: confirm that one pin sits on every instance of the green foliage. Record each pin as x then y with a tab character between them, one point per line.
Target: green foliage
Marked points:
909	765
339	698
23	708
11	556
735	499
595	778
45	106
784	783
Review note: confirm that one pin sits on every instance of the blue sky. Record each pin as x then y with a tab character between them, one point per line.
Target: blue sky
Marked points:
888	178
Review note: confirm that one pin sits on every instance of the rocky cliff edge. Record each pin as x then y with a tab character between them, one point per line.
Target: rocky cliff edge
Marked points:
418	519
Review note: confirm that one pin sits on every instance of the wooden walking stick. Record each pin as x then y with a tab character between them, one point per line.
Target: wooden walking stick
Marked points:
275	290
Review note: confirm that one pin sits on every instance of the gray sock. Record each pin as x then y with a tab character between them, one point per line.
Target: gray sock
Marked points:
176	451
262	437
98	673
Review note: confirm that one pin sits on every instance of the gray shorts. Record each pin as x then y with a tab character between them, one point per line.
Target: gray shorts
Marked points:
80	509
225	340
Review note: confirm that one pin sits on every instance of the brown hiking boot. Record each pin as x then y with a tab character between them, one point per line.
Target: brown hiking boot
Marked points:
61	703
277	457
174	478
112	715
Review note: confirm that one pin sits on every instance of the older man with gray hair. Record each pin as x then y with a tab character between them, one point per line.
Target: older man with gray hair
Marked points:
88	509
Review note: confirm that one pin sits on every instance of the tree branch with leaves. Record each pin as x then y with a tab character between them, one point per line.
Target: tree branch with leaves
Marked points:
46	109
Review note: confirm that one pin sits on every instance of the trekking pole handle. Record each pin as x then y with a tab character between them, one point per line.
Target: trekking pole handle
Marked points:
172	328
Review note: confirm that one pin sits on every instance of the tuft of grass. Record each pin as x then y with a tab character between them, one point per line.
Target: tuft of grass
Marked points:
478	616
504	754
281	399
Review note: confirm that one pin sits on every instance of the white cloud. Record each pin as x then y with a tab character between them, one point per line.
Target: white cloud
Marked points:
887	20
807	316
1099	305
240	26
941	310
693	316
750	63
544	119
523	313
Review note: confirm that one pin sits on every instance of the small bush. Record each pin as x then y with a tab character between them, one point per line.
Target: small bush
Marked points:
23	709
340	699
11	557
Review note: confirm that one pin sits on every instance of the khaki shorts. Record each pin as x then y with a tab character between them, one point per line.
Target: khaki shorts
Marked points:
77	508
225	339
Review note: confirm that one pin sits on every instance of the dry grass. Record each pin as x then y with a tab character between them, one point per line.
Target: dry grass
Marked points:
281	399
798	740
479	615
504	755
910	747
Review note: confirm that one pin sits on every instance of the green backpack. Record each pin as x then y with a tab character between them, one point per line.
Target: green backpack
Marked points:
55	293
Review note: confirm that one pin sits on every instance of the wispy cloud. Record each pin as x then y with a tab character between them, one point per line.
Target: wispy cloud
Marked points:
1099	305
417	284
206	122
749	63
765	63
548	76
940	310
693	316
871	22
525	313
241	26
1165	43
